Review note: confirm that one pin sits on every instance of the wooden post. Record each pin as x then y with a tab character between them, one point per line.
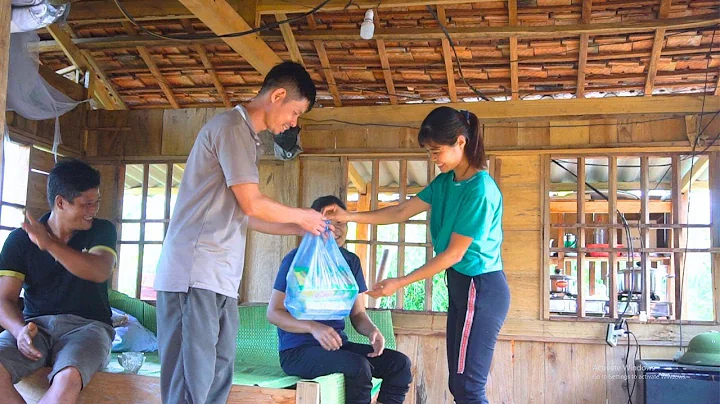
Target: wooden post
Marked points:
547	235
580	239
4	66
400	295
679	215
374	201
143	216
644	232
168	195
429	250
714	187
307	393
612	235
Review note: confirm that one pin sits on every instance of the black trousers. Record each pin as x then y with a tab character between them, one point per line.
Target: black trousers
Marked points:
477	310
351	360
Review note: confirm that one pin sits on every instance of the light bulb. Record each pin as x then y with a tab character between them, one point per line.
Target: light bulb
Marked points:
367	28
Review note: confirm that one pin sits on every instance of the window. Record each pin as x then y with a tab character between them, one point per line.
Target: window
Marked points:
406	246
661	203
13	188
150	192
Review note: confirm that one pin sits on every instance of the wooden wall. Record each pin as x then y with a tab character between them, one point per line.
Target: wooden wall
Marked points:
531	372
279	181
536	360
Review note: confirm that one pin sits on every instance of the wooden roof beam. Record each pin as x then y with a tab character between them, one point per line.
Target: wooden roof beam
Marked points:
200	49
447	57
531	32
289	39
387	74
301	6
583	51
222	19
325	63
514	65
385	64
658	43
698	168
394	34
101	88
615	106
356	179
147	58
146	10
70	88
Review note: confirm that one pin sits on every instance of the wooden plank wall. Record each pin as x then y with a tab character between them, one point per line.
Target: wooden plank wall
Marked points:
41	133
279	181
508	135
164	133
532	372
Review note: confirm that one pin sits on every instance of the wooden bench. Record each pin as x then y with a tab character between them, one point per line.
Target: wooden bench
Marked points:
258	377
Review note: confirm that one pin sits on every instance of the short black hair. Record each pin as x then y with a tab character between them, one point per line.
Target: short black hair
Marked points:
325	201
69	179
294	79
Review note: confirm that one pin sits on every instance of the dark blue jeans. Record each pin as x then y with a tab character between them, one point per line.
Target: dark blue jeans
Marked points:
351	360
477	310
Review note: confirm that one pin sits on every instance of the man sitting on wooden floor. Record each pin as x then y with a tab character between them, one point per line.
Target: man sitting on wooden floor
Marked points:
311	349
63	261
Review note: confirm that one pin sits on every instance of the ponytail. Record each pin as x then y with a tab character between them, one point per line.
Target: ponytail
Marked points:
475	149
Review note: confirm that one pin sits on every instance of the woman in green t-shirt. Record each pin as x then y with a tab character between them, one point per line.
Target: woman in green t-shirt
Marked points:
466	230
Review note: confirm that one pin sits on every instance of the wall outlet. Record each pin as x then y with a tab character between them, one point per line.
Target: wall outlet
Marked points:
614	332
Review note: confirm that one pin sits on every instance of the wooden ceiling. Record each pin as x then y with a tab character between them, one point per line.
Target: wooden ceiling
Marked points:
515	49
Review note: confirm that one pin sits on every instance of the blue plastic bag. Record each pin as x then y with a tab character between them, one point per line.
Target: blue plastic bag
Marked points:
320	284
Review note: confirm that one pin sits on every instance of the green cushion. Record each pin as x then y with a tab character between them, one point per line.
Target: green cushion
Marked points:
145	313
257	360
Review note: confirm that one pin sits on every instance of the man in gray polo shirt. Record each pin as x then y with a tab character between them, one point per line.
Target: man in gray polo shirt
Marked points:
201	265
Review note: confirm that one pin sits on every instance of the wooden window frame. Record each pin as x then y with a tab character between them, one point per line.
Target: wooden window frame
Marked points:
678	221
3	203
141	242
371	269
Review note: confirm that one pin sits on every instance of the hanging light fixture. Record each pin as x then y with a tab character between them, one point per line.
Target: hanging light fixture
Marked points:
367	28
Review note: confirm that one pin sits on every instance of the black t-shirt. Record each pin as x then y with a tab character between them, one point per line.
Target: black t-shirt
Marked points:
50	288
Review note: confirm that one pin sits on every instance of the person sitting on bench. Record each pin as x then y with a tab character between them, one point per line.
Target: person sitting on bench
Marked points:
63	262
310	349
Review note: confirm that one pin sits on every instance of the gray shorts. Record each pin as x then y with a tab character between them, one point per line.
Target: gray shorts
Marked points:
64	340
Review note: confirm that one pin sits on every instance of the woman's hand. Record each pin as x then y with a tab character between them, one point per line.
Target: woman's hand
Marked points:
335	212
386	288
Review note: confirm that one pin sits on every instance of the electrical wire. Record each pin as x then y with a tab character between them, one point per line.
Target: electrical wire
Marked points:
385	125
191	38
457	59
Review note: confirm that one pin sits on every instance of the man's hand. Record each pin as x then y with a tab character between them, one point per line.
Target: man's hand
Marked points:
38	233
312	221
326	336
24	342
378	343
